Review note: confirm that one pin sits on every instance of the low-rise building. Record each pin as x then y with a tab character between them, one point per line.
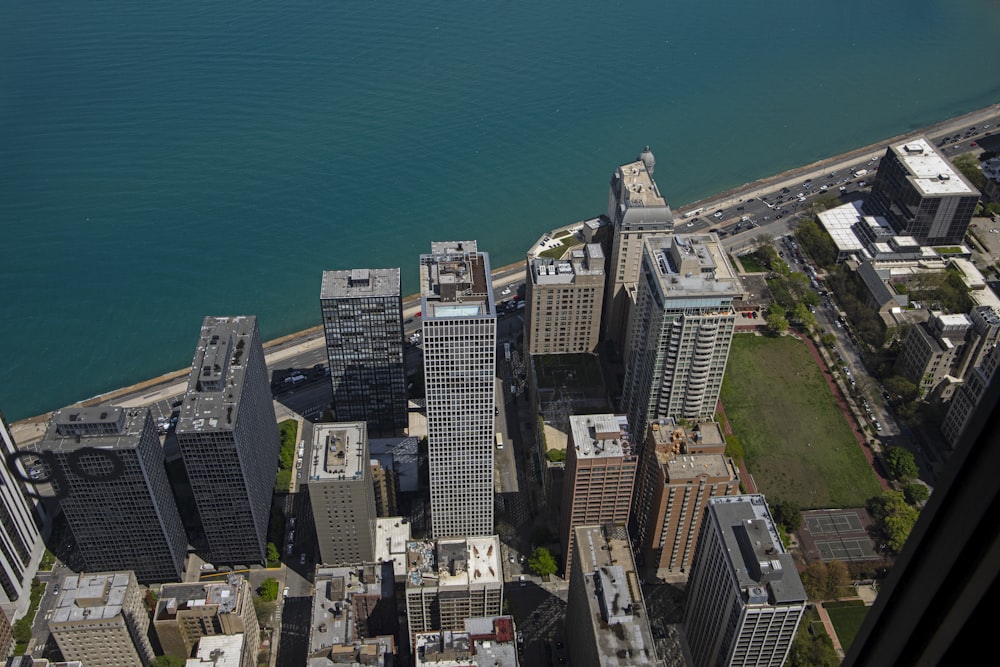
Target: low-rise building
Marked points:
185	613
220	651
99	619
484	642
353	616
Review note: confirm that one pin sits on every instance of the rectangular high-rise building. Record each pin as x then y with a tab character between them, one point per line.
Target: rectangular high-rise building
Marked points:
681	329
342	493
363	324
21	546
744	596
637	210
107	471
931	350
606	614
448	581
228	437
459	338
679	473
99	619
922	194
565	298
600	474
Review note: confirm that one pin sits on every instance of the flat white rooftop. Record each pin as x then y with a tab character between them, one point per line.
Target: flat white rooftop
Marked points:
930	171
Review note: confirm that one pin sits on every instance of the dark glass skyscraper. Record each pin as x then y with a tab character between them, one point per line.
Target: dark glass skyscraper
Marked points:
363	324
228	436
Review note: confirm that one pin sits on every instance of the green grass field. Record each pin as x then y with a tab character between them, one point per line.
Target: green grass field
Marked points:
797	443
846	617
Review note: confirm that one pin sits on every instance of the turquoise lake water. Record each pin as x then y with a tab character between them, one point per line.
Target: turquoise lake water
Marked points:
164	161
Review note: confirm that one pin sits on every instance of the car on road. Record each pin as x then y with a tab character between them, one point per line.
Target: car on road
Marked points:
521	580
690	224
409	320
284	593
717	214
302	559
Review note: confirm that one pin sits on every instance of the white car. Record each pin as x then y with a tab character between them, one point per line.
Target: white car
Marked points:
284	593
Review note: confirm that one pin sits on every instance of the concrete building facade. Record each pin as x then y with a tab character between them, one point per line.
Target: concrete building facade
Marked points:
363	323
107	471
459	344
565	299
450	580
681	329
922	194
679	473
99	619
600	473
606	614
228	436
637	210
931	349
186	613
342	494
21	545
968	396
745	598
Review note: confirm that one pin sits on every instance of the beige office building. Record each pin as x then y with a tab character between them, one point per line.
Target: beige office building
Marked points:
637	210
185	613
679	473
600	474
99	619
565	298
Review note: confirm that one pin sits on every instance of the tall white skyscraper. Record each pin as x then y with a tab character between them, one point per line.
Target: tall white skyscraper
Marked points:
680	330
459	334
745	598
21	545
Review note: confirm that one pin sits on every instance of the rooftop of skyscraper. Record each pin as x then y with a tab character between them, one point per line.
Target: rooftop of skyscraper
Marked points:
929	171
216	380
600	436
177	597
332	612
614	596
339	452
100	426
765	573
360	283
454	562
583	261
455	281
692	264
639	185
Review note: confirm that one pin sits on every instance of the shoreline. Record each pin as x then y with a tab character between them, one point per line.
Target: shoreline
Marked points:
411	302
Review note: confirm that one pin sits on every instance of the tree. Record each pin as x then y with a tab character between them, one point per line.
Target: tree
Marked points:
811	649
788	514
802	314
273	555
268	590
894	519
556	455
828	339
814	578
837	578
541	563
916	493
968	164
901	464
777	323
901	387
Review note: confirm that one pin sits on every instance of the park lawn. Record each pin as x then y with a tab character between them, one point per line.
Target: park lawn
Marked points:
847	617
797	444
